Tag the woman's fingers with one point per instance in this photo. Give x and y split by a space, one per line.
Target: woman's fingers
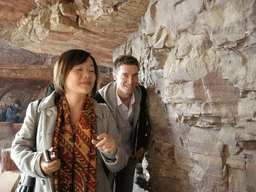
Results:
51 167
106 143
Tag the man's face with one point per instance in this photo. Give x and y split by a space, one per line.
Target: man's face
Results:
127 79
16 105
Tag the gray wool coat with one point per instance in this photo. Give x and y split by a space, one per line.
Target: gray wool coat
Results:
108 92
29 161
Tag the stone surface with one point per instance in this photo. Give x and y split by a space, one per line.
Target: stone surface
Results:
23 72
9 180
33 33
97 26
198 63
13 11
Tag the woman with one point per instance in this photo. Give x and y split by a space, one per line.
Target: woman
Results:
74 126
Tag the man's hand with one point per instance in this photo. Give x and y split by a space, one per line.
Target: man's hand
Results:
105 142
139 155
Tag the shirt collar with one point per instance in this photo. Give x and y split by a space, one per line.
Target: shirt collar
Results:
119 101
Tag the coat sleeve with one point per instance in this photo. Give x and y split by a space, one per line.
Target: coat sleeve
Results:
23 145
114 162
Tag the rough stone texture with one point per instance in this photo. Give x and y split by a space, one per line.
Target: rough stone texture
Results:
17 63
53 27
33 33
24 75
13 11
198 63
7 135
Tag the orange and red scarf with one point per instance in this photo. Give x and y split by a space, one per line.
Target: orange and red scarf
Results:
74 148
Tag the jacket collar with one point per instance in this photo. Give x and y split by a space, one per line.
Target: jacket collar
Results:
49 102
108 92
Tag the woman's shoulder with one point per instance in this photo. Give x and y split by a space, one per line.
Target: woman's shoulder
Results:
48 101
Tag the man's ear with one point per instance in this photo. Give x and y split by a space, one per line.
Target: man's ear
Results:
114 76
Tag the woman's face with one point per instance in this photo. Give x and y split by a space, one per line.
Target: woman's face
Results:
81 78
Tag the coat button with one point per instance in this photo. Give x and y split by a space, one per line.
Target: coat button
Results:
49 113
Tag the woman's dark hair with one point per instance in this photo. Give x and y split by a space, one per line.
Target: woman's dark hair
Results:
65 63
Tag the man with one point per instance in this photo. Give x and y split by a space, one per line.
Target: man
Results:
126 100
13 112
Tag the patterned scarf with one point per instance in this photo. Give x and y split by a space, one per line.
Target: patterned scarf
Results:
74 148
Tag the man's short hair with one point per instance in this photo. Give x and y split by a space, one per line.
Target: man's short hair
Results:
125 60
18 102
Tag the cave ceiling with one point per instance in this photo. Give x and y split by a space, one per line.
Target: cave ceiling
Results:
34 32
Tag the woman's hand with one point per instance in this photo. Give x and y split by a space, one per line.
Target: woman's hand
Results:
105 143
51 167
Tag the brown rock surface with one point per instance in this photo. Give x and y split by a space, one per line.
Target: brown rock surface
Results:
52 27
34 32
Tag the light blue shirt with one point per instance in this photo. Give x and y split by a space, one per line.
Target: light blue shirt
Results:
125 118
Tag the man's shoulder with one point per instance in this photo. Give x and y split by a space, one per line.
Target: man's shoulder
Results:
140 92
143 90
12 108
142 87
101 109
99 98
108 87
106 92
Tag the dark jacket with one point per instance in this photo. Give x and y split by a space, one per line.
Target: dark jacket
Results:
141 125
11 114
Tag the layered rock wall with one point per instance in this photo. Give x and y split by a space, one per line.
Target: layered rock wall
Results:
55 26
198 63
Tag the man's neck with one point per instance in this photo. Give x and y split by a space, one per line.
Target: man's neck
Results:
125 98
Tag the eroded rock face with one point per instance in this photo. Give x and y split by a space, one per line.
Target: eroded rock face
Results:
26 73
13 11
198 62
19 65
39 30
97 26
